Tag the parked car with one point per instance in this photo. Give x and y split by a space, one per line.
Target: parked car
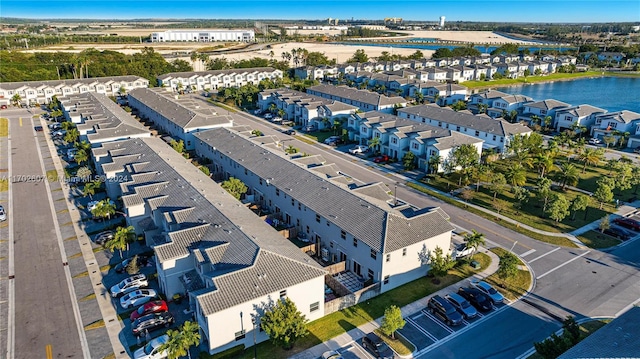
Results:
137 297
54 126
461 250
38 128
309 128
476 298
58 134
617 233
103 237
627 222
444 310
381 159
268 116
637 149
3 214
489 291
377 346
143 260
155 306
3 107
331 354
595 141
257 112
462 305
129 284
151 350
276 119
333 141
289 132
358 149
151 322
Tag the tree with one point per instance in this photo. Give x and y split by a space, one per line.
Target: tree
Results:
178 146
181 340
284 324
474 240
466 157
591 157
508 266
516 175
235 187
559 207
544 192
374 143
91 187
84 173
439 264
205 170
81 156
16 99
71 136
544 162
359 56
499 205
552 347
568 175
459 106
467 195
291 150
433 163
392 321
121 239
571 329
608 140
104 208
497 183
521 195
409 161
604 223
603 193
133 266
579 203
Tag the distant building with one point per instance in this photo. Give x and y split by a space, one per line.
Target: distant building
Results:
442 18
242 35
215 79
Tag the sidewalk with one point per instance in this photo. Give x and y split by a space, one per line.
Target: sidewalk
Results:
623 211
355 334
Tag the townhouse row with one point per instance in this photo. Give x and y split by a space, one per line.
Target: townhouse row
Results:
216 79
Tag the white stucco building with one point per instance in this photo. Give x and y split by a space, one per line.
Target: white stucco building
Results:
216 79
203 35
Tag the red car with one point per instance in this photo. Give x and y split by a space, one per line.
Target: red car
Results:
381 159
156 306
627 223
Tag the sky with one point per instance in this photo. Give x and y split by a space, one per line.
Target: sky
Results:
563 11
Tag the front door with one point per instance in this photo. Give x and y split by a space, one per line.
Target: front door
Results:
356 268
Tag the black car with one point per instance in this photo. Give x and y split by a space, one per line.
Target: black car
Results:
151 322
143 261
476 298
38 128
617 233
289 132
444 310
103 237
377 346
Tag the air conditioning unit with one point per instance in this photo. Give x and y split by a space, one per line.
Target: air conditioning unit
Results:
324 254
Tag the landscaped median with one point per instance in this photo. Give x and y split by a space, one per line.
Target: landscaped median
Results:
514 286
340 322
597 240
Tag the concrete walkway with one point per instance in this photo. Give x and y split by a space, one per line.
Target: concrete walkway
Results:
411 308
623 211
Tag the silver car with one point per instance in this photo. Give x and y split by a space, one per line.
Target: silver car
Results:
3 214
129 284
137 297
462 305
489 291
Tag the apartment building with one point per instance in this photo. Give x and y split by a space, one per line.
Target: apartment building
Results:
380 241
617 124
495 133
207 245
41 92
204 35
99 119
364 100
216 79
397 136
180 117
442 94
577 116
536 111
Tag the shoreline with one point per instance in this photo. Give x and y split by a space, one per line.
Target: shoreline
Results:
475 89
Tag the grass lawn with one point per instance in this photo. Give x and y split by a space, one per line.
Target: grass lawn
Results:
400 345
4 127
534 79
4 184
513 287
586 329
560 241
334 324
319 136
595 239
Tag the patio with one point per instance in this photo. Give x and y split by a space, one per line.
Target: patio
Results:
350 281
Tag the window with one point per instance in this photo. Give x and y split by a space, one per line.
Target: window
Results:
494 137
386 279
343 234
458 128
261 181
613 124
414 146
328 223
355 242
240 335
477 133
307 229
314 306
298 206
278 190
388 258
283 293
293 202
370 273
318 218
331 244
404 252
374 255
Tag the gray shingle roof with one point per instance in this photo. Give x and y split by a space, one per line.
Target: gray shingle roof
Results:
204 216
71 82
188 74
582 110
623 116
364 218
480 123
549 104
367 97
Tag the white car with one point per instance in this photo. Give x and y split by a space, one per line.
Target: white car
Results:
461 250
93 204
137 297
268 116
331 354
3 214
129 284
151 350
489 291
595 141
358 149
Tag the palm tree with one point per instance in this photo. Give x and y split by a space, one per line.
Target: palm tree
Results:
90 188
474 240
72 135
121 239
589 156
81 156
374 143
516 175
544 162
181 340
568 175
16 99
104 208
434 162
291 150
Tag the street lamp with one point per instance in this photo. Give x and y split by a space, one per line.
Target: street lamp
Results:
395 194
255 349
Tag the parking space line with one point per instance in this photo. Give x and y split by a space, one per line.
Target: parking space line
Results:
428 315
563 264
422 330
416 316
527 252
543 255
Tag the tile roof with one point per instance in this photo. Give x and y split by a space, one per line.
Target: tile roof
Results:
480 123
71 82
363 96
205 217
364 218
549 104
623 116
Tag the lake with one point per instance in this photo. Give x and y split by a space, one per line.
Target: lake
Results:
532 49
610 93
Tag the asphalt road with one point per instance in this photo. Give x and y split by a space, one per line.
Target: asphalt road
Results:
45 324
567 281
